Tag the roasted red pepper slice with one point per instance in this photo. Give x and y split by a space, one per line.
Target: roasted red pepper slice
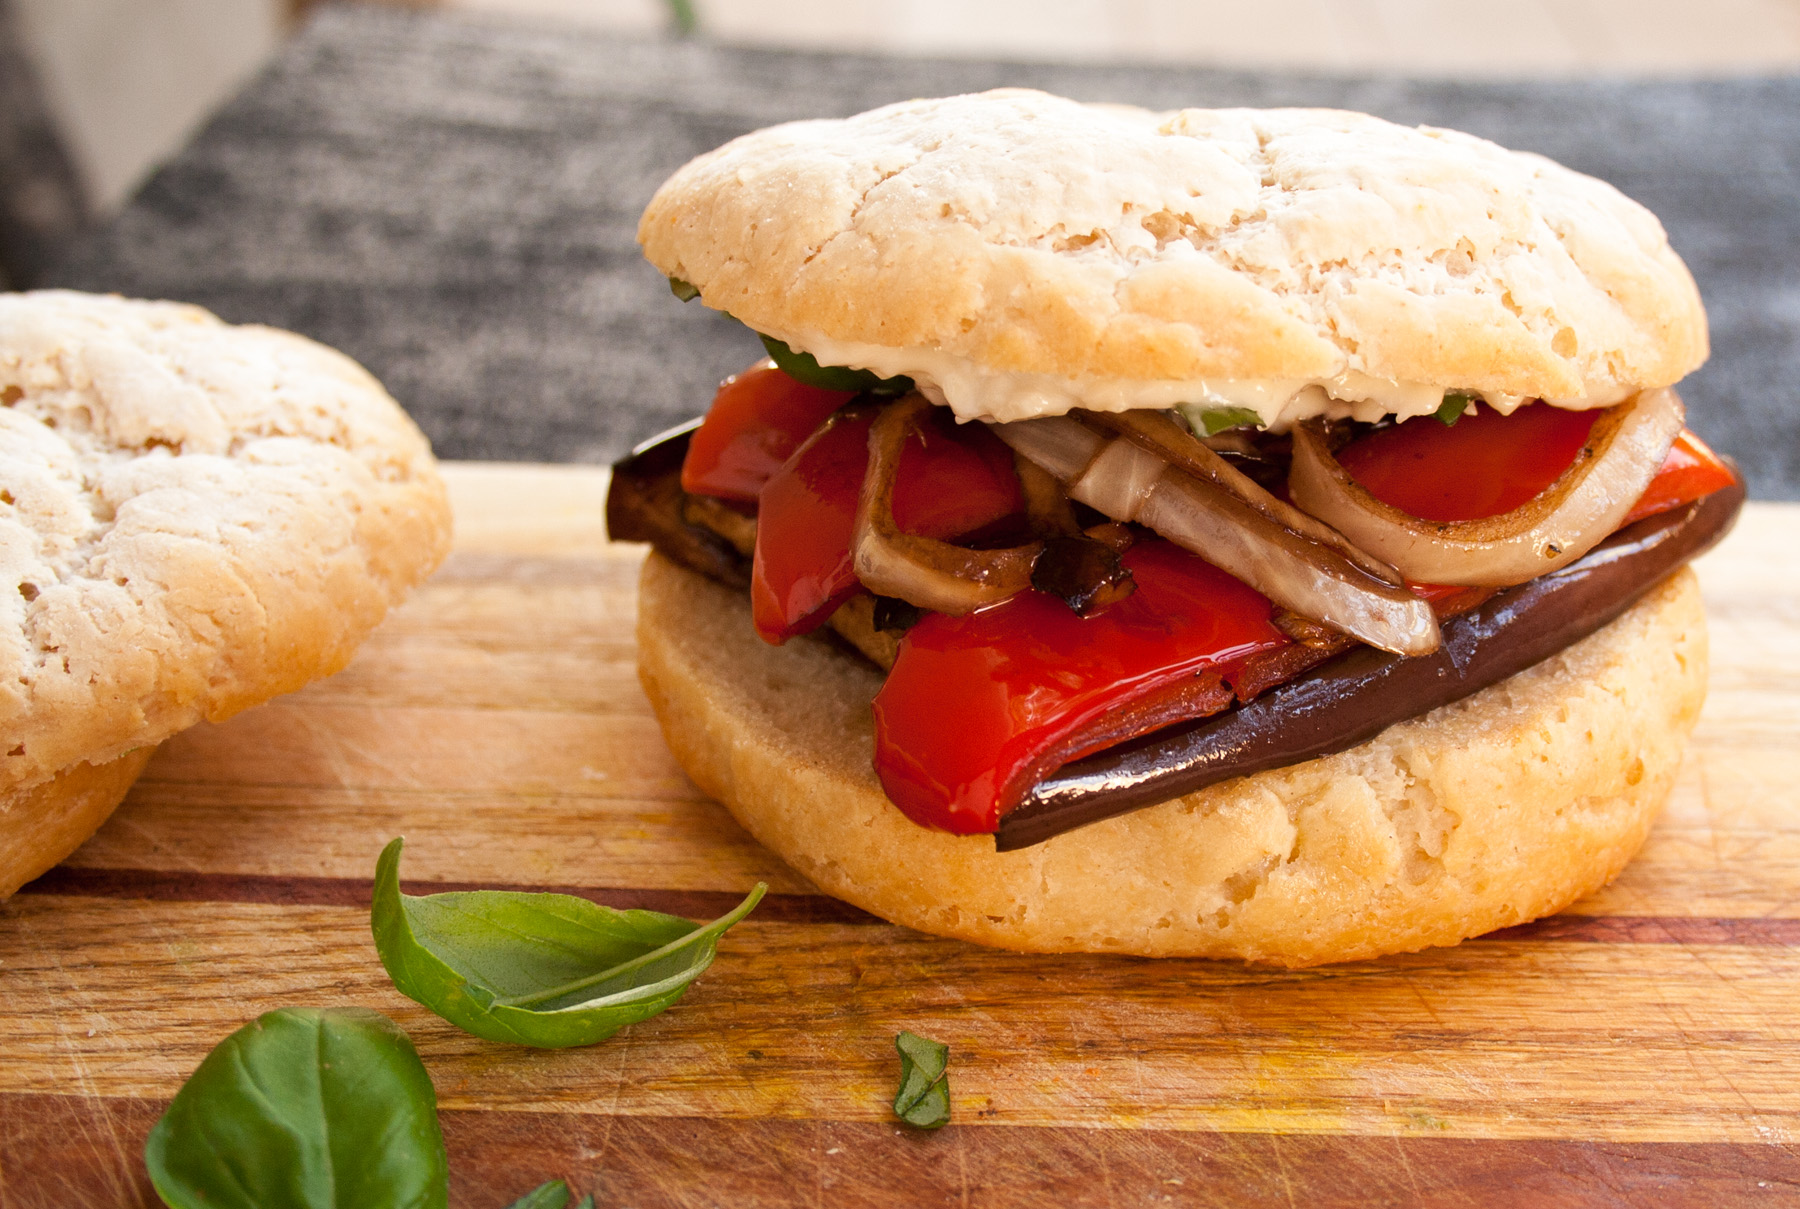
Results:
758 418
955 481
980 708
1690 471
1482 465
1487 463
805 517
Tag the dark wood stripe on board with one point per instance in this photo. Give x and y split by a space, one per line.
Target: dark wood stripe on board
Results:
1655 930
167 886
182 886
47 1150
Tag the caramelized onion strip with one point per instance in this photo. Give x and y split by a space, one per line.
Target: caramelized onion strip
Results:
923 571
1155 431
1046 503
1130 483
1557 526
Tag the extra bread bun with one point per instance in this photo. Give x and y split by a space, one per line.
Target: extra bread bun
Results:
1092 248
193 518
1506 806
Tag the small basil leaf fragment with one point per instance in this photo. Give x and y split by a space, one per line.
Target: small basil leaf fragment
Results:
804 367
924 1096
546 970
551 1195
684 290
1455 403
1211 421
303 1108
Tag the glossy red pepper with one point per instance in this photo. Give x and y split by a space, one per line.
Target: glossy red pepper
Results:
979 708
955 481
1482 465
757 419
1487 463
1690 471
805 517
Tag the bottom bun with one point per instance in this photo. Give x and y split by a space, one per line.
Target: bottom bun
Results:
42 824
1500 808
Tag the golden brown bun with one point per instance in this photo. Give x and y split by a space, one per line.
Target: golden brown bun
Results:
194 518
41 825
1501 808
1023 233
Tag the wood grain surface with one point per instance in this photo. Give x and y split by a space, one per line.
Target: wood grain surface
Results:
1642 1050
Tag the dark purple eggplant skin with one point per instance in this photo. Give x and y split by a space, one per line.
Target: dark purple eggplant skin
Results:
1356 696
643 504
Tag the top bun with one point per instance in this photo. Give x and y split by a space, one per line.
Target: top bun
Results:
1020 254
193 518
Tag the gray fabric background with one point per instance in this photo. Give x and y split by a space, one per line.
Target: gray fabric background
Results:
453 203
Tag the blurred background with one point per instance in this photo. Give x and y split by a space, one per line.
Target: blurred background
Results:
123 83
448 190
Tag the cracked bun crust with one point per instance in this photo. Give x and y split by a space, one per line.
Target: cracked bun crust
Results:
1017 232
1501 808
194 518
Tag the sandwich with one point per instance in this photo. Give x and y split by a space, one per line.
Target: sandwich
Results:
1229 533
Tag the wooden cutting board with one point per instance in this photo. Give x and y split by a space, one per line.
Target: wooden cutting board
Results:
1643 1049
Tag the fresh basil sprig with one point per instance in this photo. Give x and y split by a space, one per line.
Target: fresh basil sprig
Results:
1455 403
547 970
1211 421
553 1195
924 1096
303 1108
804 367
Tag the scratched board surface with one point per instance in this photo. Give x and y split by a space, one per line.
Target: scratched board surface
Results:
1642 1050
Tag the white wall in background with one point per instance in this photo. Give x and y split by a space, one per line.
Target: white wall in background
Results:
129 80
1416 37
640 16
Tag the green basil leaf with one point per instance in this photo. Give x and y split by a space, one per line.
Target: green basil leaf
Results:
931 1110
546 970
924 1096
1211 421
551 1195
1455 403
684 290
804 367
303 1108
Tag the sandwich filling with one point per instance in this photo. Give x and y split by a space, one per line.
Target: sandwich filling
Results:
1095 611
